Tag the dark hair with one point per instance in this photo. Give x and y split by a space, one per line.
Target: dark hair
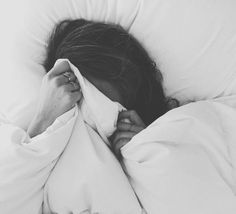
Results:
108 52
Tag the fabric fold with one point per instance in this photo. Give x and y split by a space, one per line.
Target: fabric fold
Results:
69 168
184 162
96 107
88 177
26 163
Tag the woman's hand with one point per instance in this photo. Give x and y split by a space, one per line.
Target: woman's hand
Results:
129 124
59 92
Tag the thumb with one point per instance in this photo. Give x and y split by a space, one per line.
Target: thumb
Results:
59 68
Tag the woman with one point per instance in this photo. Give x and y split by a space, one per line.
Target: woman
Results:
114 62
162 168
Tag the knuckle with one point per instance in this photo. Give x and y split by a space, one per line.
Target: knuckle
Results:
119 125
124 126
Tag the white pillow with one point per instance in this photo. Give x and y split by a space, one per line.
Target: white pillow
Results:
26 37
193 42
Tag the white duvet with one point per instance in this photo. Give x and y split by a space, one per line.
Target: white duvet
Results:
87 178
182 163
185 162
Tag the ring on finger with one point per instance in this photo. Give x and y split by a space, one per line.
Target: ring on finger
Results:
68 76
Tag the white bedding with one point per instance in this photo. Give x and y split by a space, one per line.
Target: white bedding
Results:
193 43
86 179
182 163
25 163
185 162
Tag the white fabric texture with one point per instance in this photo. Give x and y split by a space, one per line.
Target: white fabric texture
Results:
25 164
185 162
86 179
97 109
192 41
194 44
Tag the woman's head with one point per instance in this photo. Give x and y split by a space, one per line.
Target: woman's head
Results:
113 61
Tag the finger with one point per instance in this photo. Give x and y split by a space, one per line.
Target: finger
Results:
60 80
125 120
121 126
119 135
59 68
69 76
76 86
76 96
72 86
132 116
120 143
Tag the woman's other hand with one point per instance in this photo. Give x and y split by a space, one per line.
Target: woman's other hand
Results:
59 92
129 124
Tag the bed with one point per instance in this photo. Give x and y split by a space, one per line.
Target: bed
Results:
194 45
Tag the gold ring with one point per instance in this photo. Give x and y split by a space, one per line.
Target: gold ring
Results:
67 75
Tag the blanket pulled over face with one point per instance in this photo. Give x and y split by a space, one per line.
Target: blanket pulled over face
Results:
184 162
88 178
69 168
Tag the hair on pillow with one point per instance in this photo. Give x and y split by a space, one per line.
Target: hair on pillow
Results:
193 43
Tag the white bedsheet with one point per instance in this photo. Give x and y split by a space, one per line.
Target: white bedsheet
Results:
182 163
86 179
185 162
25 164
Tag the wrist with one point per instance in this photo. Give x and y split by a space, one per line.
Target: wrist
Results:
38 125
